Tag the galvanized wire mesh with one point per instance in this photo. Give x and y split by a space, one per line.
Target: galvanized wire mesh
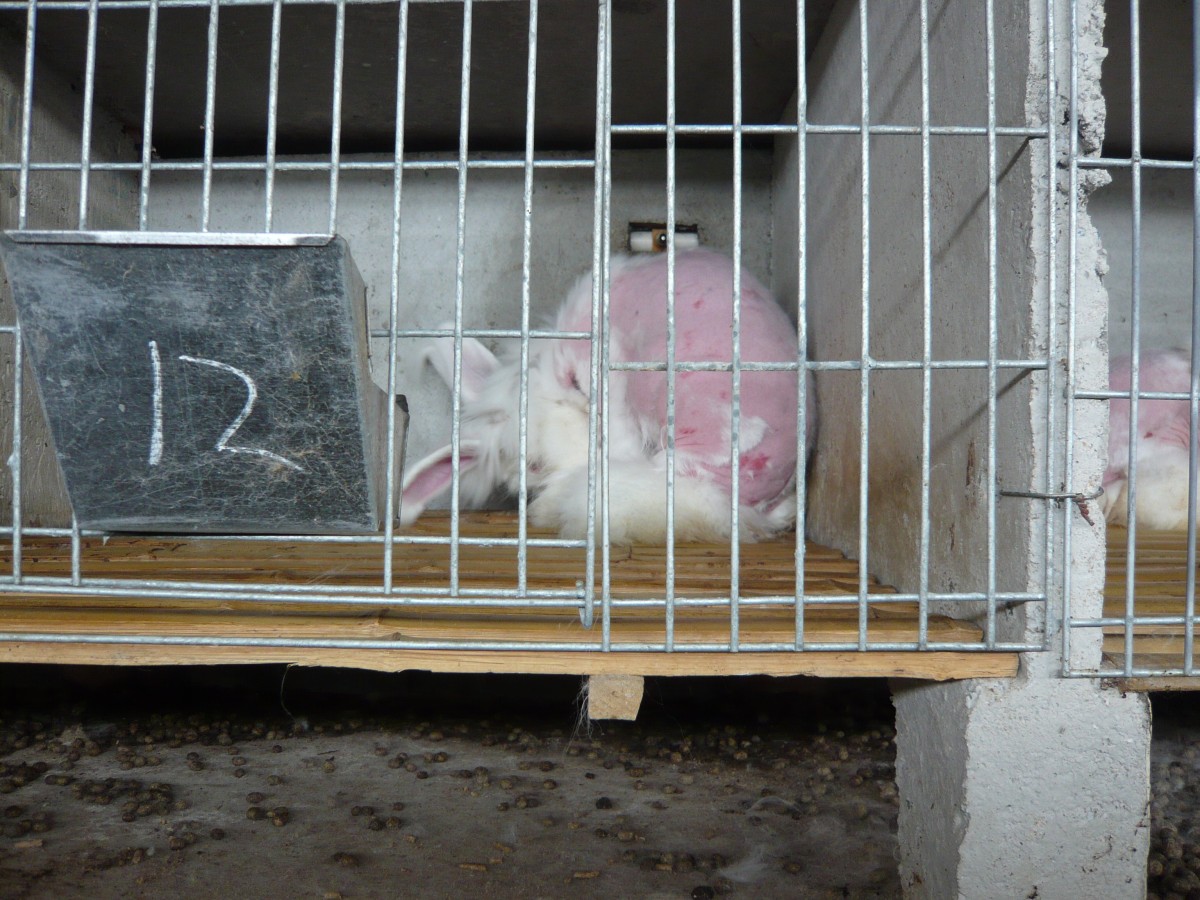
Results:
1146 623
81 30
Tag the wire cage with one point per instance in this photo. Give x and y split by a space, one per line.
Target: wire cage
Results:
1142 169
478 158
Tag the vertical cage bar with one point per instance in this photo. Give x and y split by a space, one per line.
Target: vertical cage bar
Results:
801 312
464 117
735 408
389 519
598 357
670 298
1072 304
1135 327
210 113
273 111
76 553
587 613
926 336
526 249
89 97
993 320
602 266
1052 342
864 446
1189 612
148 116
335 137
14 459
26 119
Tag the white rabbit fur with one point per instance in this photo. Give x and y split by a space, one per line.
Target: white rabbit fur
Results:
1163 441
558 399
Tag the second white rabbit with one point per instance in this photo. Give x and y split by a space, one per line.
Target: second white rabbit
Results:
1163 442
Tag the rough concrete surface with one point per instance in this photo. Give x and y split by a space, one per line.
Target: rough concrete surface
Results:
1038 787
212 782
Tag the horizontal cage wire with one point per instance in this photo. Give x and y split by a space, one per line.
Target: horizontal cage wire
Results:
1138 186
607 439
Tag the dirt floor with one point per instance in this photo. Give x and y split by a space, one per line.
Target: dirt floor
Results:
261 782
220 782
1174 866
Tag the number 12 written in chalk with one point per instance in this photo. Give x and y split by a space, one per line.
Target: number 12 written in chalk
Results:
223 444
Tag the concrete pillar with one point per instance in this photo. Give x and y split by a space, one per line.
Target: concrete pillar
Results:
1035 787
1038 786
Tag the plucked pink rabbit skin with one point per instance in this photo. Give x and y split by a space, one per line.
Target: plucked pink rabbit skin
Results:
559 386
1163 442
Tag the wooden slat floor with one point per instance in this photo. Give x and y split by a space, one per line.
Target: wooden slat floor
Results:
1160 589
701 571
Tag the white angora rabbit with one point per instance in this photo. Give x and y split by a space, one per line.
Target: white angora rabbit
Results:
559 384
1163 442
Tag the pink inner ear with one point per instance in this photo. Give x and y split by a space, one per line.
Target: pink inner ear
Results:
478 364
432 475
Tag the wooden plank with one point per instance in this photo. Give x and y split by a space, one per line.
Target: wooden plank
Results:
701 569
233 568
1154 660
638 626
1160 644
1166 683
1160 590
939 666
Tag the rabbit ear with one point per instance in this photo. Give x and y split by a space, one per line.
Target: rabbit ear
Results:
431 476
478 363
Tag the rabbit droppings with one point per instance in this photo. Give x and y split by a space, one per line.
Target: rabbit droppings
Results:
559 395
1163 441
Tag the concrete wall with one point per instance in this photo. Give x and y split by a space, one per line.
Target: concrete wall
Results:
1165 27
561 248
959 320
1038 786
53 203
1166 257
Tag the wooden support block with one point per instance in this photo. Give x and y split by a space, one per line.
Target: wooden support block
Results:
614 696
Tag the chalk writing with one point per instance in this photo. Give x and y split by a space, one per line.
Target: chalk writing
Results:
222 445
156 429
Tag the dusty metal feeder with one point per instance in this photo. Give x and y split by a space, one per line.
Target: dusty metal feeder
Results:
205 383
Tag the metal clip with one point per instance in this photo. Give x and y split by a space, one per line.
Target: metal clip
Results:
1079 499
587 608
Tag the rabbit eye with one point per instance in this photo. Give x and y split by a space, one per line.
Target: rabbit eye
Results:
575 382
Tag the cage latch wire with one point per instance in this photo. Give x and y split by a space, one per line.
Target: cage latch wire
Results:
1080 500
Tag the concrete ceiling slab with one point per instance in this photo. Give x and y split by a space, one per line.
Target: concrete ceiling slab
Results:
566 71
